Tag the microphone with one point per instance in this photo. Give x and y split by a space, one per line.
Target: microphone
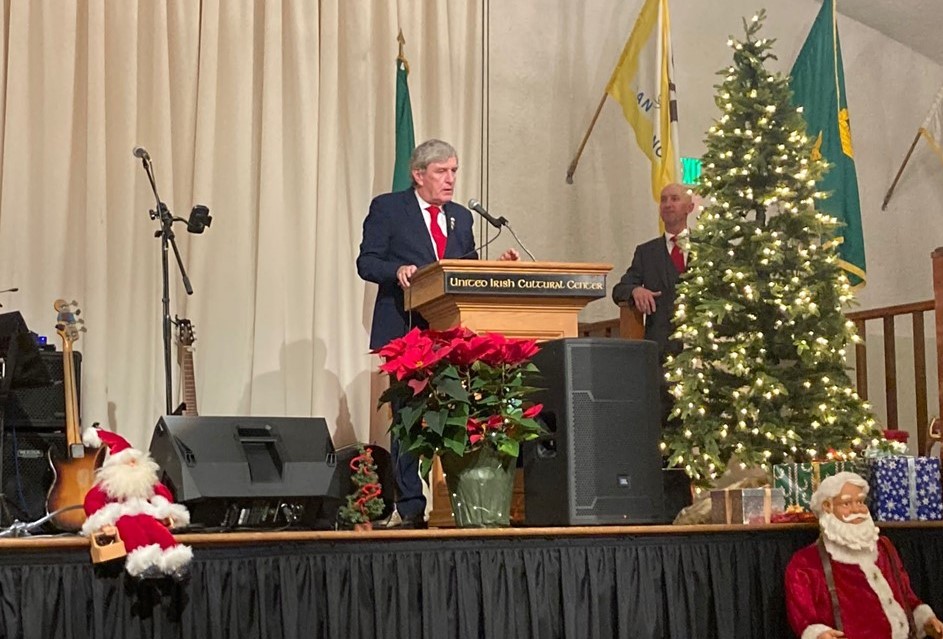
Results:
476 206
141 152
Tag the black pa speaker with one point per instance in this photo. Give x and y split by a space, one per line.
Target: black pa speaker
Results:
43 407
600 463
250 472
27 474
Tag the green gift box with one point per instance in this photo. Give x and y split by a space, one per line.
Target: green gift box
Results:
799 481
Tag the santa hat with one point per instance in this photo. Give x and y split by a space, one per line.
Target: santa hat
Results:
96 437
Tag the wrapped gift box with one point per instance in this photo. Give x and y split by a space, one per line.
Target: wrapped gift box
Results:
799 481
746 505
906 488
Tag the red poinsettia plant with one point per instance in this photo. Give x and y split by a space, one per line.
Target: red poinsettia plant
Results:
456 391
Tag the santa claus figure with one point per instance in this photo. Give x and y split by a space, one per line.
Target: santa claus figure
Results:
872 594
128 495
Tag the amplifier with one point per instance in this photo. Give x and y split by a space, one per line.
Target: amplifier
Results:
26 475
42 407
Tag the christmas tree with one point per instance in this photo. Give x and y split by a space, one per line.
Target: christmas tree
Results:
364 503
762 375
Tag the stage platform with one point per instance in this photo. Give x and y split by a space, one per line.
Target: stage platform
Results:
637 582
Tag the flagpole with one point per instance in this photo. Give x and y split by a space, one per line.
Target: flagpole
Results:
926 122
900 171
402 53
579 152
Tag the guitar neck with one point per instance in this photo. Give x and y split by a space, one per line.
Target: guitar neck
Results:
72 430
188 382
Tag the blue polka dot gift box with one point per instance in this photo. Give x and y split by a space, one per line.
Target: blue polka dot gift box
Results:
905 488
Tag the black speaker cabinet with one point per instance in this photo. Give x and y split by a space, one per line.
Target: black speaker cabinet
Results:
601 463
250 472
42 407
27 474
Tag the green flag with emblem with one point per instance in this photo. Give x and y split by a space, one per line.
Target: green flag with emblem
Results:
818 85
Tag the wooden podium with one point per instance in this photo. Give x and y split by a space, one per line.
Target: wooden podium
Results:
536 300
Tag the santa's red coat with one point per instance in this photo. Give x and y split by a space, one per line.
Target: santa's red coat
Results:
140 524
869 597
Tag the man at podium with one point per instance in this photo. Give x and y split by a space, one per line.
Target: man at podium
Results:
404 231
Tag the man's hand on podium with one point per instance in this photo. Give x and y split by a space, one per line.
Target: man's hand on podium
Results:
645 299
404 273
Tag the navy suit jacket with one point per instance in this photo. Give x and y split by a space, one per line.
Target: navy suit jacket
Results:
652 268
394 235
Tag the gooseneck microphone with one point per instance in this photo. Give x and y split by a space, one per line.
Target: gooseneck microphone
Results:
476 206
141 152
497 223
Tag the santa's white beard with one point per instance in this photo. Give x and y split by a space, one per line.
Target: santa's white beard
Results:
128 474
856 537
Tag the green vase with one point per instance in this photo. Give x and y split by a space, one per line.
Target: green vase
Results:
480 487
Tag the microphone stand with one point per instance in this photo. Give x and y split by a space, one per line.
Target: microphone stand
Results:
518 240
498 223
167 241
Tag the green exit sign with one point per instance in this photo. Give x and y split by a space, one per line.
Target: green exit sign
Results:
690 171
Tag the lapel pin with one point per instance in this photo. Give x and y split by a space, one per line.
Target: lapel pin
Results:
451 223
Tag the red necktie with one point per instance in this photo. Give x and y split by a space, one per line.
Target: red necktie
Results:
437 235
676 255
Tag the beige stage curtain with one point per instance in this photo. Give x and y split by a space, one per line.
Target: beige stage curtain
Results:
276 115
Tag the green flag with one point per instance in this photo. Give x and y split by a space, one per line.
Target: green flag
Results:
405 137
818 85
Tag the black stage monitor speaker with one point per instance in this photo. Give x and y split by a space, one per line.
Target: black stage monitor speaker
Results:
601 463
250 472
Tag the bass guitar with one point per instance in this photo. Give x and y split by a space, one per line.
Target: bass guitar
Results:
75 472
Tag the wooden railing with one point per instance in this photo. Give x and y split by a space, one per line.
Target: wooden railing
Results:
887 316
630 325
